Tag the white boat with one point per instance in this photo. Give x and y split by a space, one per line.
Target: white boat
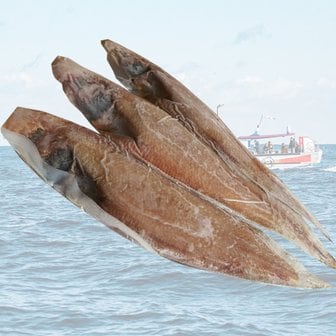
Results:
283 150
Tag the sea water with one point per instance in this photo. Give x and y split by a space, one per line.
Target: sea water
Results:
64 273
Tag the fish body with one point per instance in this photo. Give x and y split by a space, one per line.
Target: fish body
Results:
145 206
166 173
162 141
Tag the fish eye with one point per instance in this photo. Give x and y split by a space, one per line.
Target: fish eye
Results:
36 135
60 158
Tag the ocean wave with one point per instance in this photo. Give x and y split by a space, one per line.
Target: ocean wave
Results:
330 169
63 273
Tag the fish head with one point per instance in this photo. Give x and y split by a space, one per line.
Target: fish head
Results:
125 66
101 101
136 73
43 132
85 89
47 143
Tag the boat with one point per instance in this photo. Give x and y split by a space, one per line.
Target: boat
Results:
282 150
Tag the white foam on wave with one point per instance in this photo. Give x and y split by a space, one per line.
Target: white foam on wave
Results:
331 169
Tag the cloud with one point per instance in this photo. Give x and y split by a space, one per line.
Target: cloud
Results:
251 34
326 83
240 64
255 87
20 79
238 91
33 63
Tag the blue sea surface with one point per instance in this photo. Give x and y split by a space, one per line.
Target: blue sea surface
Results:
64 273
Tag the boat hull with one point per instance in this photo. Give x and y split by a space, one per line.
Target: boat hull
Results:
286 161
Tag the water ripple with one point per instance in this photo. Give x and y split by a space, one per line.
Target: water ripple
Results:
62 273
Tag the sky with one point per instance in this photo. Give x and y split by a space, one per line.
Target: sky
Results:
271 58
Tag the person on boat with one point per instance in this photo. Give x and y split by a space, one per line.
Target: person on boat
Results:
284 149
268 148
256 146
291 145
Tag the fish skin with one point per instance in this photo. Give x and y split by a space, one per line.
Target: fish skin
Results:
155 136
166 217
148 80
